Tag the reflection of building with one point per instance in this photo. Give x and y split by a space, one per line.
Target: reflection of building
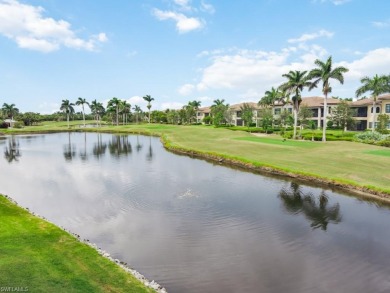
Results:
363 110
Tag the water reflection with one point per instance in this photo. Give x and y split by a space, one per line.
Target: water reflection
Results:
120 145
83 152
315 209
11 151
201 227
138 146
149 155
99 147
69 149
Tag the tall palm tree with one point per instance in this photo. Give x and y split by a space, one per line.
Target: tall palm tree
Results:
297 81
376 85
82 102
148 99
125 110
115 103
67 108
97 109
324 72
137 110
9 110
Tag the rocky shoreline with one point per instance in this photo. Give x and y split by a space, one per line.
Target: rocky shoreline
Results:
124 266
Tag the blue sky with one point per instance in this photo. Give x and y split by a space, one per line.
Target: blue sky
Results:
181 50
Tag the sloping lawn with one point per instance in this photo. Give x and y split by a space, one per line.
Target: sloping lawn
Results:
39 256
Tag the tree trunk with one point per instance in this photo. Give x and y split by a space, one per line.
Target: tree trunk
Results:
117 116
373 114
83 116
325 116
295 122
67 118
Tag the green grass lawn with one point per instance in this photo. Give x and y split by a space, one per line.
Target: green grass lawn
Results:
39 256
344 162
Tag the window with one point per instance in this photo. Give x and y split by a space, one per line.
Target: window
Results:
239 113
378 109
277 111
370 125
290 110
387 108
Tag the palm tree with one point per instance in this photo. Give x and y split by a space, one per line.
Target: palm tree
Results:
376 85
148 99
297 81
82 102
115 103
67 108
270 97
9 110
218 102
97 109
137 110
324 73
126 110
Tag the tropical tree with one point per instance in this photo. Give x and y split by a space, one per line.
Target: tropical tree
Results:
271 97
296 82
125 109
266 118
324 72
97 110
383 121
115 103
219 111
67 108
148 99
137 110
9 110
343 115
193 107
376 85
82 102
247 114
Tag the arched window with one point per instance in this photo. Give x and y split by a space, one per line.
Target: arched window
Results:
378 109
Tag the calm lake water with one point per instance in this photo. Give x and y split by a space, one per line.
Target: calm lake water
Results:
197 227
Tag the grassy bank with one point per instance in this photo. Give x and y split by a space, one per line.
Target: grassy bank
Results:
40 257
357 165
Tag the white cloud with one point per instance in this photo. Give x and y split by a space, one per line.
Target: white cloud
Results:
339 2
381 24
184 24
171 105
26 25
48 108
309 37
373 62
335 2
186 89
207 7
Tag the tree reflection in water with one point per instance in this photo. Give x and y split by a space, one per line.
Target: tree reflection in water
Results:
316 210
138 146
99 148
83 152
69 149
149 155
120 145
11 151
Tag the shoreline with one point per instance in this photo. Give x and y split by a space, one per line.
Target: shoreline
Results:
122 265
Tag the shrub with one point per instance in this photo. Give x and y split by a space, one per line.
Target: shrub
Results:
4 125
18 124
368 137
